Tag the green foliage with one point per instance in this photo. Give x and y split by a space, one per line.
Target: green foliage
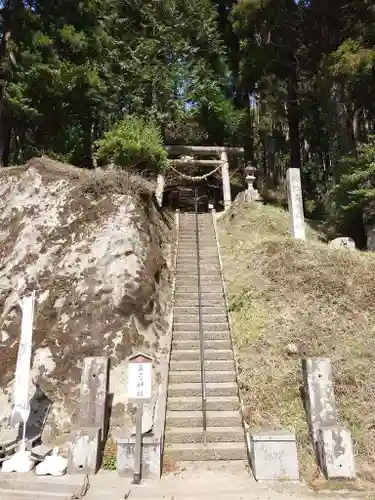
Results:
351 59
71 70
110 455
135 143
355 191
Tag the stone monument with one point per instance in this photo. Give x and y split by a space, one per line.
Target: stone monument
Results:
295 203
332 443
93 415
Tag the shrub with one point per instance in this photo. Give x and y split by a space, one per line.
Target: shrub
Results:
133 143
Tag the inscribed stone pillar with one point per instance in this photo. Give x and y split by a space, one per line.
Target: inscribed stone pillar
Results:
226 180
336 455
93 395
320 398
160 189
295 204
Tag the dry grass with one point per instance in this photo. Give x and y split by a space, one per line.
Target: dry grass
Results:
318 298
97 183
100 182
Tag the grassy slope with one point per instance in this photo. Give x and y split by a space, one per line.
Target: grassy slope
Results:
320 299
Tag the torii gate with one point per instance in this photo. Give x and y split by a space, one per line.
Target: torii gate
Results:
219 158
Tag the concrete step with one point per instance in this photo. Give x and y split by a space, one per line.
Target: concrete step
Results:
204 244
184 271
191 301
195 435
181 309
195 389
206 318
203 260
194 403
195 376
185 250
190 292
204 253
186 257
189 239
219 335
187 345
210 365
29 490
192 327
191 285
206 264
205 290
208 354
207 282
195 419
210 451
208 292
209 299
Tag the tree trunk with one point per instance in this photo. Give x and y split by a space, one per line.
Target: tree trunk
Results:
4 114
342 118
293 119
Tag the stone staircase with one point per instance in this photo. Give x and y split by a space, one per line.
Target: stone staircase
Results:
184 423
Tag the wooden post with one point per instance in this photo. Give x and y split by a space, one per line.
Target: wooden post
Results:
138 444
226 180
139 392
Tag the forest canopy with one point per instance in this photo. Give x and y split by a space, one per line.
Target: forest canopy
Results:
291 81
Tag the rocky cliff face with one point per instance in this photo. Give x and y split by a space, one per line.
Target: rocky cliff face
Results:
97 252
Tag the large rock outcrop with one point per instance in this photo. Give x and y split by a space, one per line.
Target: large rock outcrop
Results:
96 250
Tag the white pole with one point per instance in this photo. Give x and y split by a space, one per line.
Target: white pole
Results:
21 409
226 180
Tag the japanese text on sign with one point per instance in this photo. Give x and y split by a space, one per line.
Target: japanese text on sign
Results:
139 380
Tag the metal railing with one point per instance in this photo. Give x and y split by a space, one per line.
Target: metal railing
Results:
201 341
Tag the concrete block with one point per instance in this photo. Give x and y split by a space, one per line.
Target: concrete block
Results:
335 452
319 394
93 394
84 454
274 456
150 457
40 452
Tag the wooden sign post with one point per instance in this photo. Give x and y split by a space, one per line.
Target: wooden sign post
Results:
139 392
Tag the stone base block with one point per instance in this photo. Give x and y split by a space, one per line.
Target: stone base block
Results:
150 457
274 456
335 453
85 452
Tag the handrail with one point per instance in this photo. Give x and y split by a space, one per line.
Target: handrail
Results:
203 374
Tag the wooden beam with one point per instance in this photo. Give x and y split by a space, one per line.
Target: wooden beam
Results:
204 150
199 163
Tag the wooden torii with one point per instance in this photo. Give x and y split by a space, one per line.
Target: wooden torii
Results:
219 159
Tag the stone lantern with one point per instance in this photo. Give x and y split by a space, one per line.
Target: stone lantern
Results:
251 193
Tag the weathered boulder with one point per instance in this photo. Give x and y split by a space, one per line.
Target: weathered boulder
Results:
97 251
343 242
